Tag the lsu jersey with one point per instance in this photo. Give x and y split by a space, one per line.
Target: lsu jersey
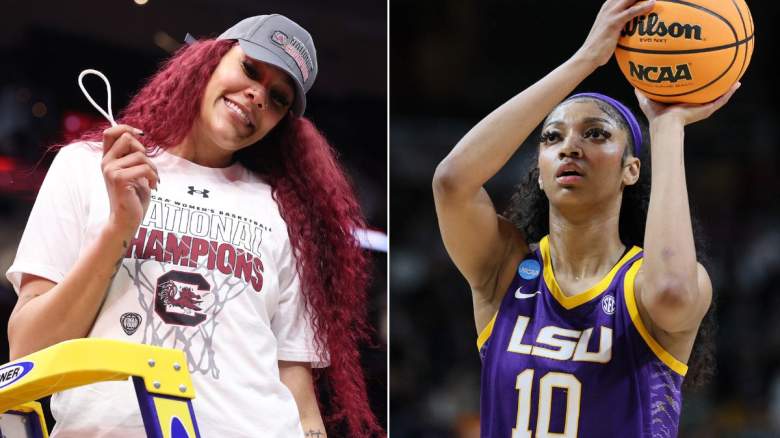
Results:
575 366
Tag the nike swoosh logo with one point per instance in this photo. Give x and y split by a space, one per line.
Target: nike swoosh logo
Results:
521 296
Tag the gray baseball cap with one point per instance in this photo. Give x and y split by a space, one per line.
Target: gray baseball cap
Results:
279 41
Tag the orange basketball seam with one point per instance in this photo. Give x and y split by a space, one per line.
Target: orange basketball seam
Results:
687 51
744 29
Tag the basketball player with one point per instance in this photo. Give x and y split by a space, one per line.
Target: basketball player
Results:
214 219
582 332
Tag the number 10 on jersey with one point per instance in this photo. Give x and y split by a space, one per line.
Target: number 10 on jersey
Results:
551 380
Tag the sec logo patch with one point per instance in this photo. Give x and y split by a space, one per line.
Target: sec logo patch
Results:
608 304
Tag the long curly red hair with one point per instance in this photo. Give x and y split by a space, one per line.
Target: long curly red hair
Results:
316 201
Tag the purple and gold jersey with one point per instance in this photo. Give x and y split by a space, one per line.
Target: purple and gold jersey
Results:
575 366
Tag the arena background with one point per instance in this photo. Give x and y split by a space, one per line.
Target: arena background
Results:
45 44
454 61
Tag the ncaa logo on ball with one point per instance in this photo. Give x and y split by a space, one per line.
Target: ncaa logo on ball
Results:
608 304
529 269
658 74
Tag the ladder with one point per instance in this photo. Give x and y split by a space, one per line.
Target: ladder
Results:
162 384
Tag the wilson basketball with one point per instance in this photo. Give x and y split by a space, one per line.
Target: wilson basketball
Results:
687 51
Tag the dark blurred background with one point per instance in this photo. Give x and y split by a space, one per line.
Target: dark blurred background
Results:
452 62
45 44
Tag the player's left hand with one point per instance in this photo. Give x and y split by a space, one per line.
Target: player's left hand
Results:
685 113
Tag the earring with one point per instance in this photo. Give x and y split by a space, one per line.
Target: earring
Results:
541 186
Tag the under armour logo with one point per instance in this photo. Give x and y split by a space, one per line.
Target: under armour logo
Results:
203 192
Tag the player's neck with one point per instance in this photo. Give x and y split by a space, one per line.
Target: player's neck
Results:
200 151
585 249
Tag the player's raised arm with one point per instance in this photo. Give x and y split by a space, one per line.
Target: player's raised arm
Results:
129 176
674 290
475 237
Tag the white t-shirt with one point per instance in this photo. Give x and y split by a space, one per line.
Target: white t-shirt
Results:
210 271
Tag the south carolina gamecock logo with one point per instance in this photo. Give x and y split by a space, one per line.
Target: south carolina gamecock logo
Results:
178 297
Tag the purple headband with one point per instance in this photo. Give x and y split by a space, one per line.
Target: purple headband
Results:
636 132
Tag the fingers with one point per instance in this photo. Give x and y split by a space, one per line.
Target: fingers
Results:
688 113
644 99
645 103
123 147
134 159
131 177
623 4
118 142
113 134
125 144
124 158
638 8
710 108
640 96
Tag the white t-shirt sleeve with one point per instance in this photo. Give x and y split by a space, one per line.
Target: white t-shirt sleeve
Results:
291 323
54 232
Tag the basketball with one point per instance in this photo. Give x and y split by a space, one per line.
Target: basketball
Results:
687 51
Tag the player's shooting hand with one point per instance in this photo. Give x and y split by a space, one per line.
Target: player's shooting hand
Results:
684 113
602 39
129 175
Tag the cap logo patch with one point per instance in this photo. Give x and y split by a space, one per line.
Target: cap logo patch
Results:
279 38
296 50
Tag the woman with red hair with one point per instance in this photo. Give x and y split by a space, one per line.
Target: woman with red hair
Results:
214 219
